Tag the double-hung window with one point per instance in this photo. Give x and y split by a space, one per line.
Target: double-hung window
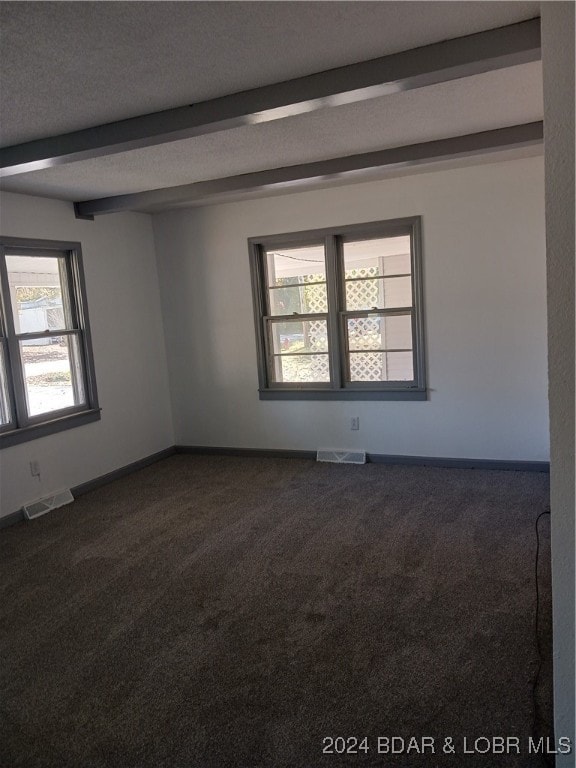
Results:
47 381
339 312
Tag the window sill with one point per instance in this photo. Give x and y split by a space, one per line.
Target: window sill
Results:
23 434
343 394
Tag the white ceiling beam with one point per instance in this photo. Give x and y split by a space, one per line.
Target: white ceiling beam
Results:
449 60
344 168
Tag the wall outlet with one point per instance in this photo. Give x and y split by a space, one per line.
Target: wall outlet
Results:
35 468
355 423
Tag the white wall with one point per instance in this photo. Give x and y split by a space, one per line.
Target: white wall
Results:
129 353
558 67
485 306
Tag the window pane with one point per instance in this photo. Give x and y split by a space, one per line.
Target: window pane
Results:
380 332
297 280
52 374
301 369
377 258
304 299
295 266
298 337
381 366
38 293
5 415
381 293
400 366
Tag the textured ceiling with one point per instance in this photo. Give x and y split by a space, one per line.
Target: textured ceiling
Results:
483 102
71 65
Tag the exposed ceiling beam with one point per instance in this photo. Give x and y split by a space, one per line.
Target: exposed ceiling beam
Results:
343 168
431 64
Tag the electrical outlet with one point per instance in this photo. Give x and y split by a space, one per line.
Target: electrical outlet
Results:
355 423
35 468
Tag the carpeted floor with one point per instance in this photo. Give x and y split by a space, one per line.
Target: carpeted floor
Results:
221 611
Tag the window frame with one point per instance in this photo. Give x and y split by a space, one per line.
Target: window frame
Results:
333 239
23 427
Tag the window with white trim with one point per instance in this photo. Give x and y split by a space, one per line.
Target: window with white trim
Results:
339 312
47 380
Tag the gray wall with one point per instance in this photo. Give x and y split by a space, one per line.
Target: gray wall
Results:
485 309
130 359
558 62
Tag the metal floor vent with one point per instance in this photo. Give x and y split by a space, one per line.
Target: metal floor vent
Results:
40 507
341 457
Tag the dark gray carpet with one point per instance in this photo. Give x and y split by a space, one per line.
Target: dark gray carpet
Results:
211 611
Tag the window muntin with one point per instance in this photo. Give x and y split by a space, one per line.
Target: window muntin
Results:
351 320
46 368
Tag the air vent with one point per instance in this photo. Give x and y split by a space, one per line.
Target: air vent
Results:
40 507
341 457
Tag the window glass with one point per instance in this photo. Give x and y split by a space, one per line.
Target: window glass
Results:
299 337
38 293
380 257
52 373
381 366
294 266
297 281
379 332
383 293
301 369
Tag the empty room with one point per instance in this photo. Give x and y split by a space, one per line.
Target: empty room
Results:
287 384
